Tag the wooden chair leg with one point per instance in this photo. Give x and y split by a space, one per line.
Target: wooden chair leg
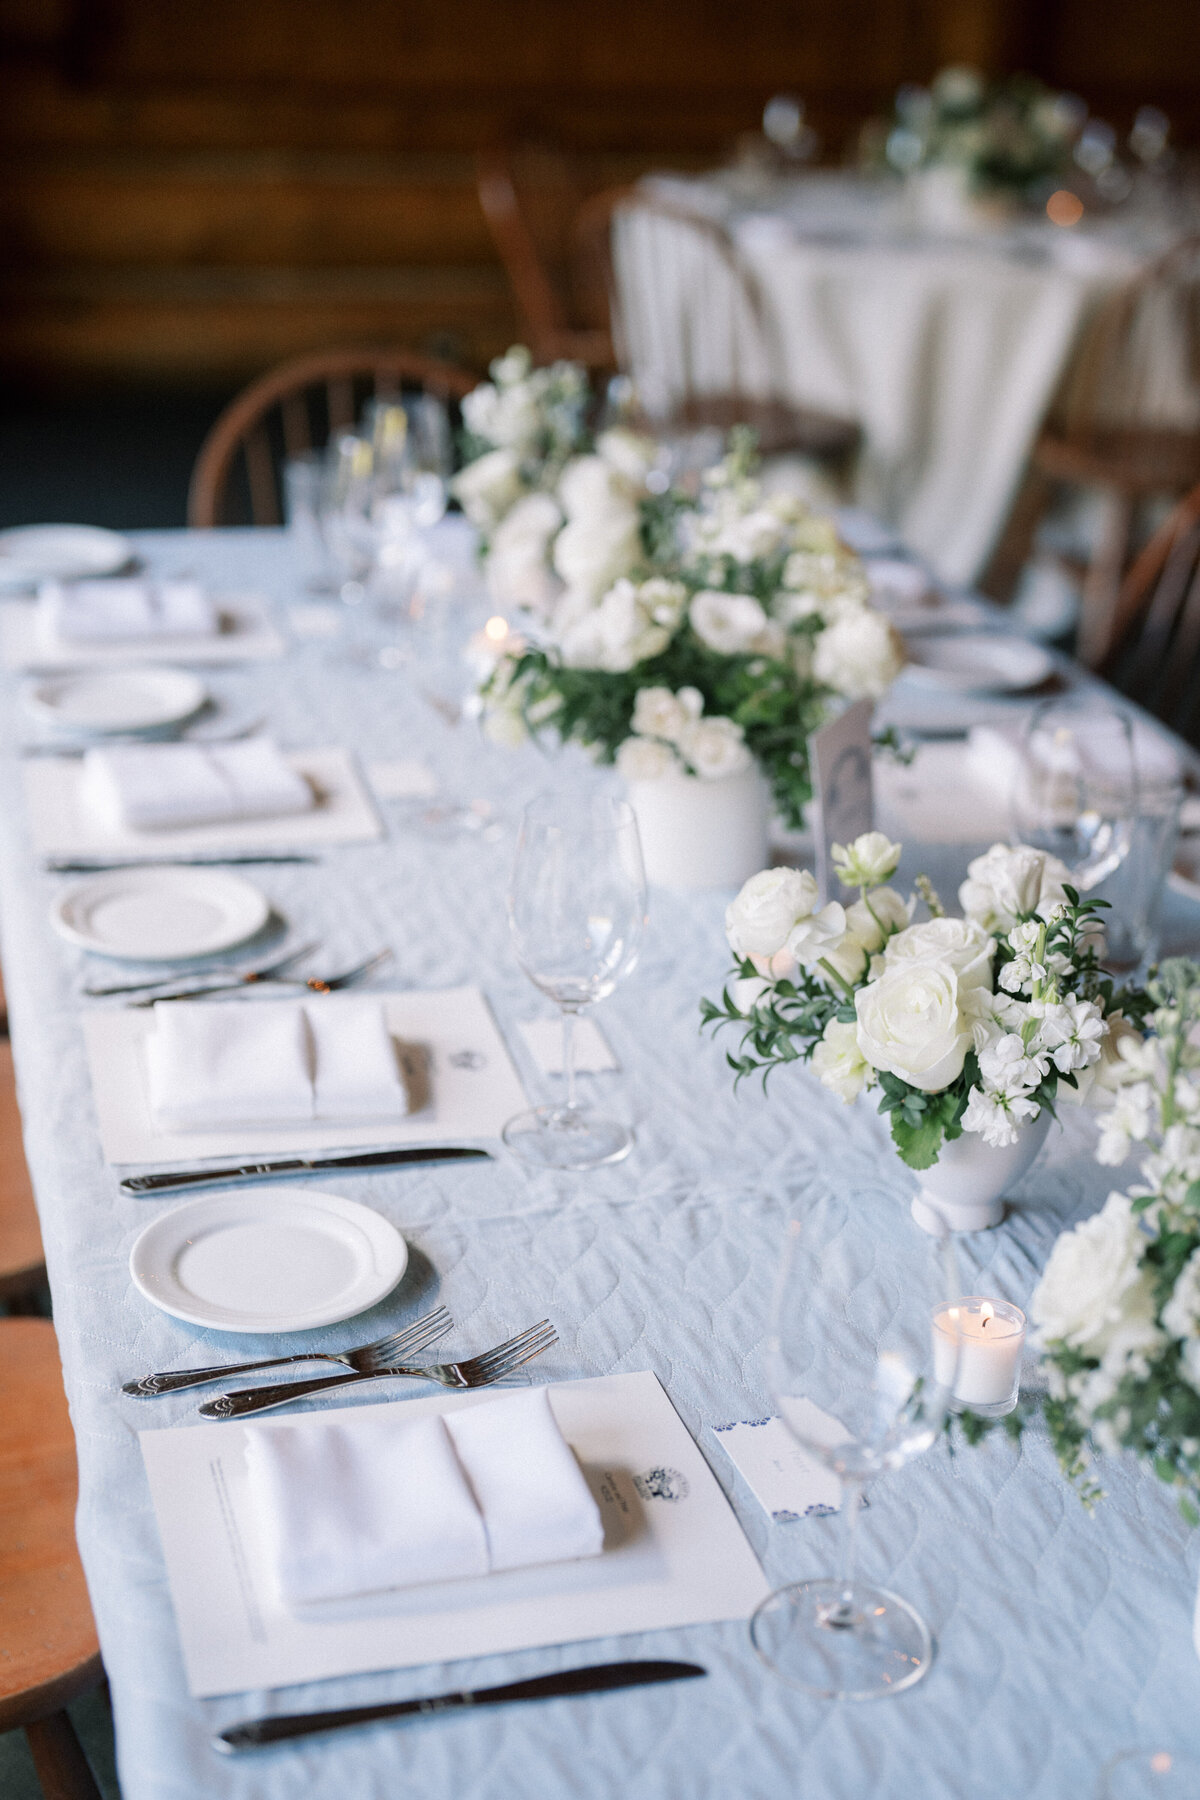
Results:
62 1768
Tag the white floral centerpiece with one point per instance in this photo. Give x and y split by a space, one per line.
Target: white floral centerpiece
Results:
689 636
962 1026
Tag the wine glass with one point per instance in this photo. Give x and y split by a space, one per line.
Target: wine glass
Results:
852 1368
1076 789
576 909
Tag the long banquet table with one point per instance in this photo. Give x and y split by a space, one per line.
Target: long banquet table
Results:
1061 1638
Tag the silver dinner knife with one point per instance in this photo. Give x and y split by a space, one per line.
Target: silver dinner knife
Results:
96 865
599 1678
301 1165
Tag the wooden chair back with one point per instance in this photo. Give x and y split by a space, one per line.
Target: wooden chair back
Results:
295 408
1156 660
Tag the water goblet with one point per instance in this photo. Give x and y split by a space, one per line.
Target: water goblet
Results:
851 1364
1076 788
577 910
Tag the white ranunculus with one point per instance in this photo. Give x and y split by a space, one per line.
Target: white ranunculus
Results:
1010 883
730 624
838 1062
958 944
714 748
645 759
1090 1273
657 712
870 860
487 487
759 921
812 939
630 453
910 1022
518 562
858 654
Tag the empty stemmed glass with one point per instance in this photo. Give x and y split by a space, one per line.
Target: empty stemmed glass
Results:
851 1366
577 910
1076 788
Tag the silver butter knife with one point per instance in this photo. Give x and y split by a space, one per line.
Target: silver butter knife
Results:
599 1678
301 1165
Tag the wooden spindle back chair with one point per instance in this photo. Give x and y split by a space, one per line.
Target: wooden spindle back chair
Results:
1155 657
295 408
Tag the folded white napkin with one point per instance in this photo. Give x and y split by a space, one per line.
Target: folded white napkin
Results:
349 1507
95 612
154 787
994 754
211 1064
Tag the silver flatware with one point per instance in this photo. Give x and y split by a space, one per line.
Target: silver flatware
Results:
473 1372
368 1356
241 976
328 984
597 1678
301 1165
199 734
97 865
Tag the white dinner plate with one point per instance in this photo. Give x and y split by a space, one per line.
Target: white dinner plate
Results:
978 663
33 553
107 700
256 1260
160 914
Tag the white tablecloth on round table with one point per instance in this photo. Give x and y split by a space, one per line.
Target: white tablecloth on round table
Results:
1061 1638
946 353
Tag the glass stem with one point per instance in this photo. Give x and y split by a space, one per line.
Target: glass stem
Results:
569 1016
851 1502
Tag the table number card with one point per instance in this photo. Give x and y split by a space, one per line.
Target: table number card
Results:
840 759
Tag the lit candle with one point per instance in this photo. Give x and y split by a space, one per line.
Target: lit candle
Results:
985 1339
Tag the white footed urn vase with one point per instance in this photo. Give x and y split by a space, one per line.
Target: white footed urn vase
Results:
966 1187
702 834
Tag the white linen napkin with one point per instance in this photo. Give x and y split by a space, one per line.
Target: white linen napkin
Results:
95 612
994 754
210 1065
353 1507
154 787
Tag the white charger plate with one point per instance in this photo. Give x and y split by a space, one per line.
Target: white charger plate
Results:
978 663
261 1261
157 913
33 553
110 700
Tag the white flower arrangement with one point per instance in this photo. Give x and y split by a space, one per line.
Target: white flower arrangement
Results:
740 613
1004 136
970 1024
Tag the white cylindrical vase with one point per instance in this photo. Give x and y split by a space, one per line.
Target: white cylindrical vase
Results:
965 1189
702 834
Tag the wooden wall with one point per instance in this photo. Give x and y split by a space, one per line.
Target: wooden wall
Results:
195 188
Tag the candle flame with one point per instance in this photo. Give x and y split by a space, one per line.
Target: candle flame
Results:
987 1311
496 629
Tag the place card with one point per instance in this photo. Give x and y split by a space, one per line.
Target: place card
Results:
785 1479
840 757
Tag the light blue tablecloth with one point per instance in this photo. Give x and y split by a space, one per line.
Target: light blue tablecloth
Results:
1061 1638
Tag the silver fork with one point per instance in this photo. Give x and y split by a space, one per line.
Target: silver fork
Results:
475 1371
365 1360
317 984
242 976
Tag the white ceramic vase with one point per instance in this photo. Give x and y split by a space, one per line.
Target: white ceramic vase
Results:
702 834
965 1189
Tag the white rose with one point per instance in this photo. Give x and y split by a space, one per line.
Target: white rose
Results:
838 1061
487 487
858 655
714 748
657 712
1009 883
870 860
595 549
1090 1273
588 484
645 759
758 922
958 944
730 624
910 1022
518 568
630 453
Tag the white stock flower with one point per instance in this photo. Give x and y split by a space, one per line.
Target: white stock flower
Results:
1072 1030
758 922
657 712
730 624
714 748
858 655
1099 1080
487 487
1131 1120
838 1062
645 759
1090 1272
911 1023
958 944
871 859
518 563
996 1116
1007 1067
1009 883
613 635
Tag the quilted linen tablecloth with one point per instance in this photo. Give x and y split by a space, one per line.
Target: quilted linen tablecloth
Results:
1061 1638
